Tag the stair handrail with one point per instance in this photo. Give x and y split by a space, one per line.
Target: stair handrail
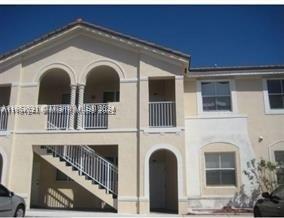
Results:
89 163
93 152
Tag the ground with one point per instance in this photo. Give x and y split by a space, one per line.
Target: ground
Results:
69 213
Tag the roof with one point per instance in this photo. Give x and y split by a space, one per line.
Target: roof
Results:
260 67
81 23
236 71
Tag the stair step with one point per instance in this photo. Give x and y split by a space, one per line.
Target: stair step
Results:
74 173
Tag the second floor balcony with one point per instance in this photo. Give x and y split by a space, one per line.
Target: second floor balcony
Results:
86 106
162 106
162 114
97 104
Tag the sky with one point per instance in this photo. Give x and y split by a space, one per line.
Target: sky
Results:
212 35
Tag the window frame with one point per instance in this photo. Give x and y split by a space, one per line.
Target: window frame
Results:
268 109
217 112
220 169
279 165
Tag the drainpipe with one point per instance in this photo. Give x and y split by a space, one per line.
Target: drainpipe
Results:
138 134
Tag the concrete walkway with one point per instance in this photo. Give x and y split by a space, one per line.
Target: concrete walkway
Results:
74 213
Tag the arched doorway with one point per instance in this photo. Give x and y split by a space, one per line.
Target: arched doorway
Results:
163 181
54 87
55 91
102 89
102 85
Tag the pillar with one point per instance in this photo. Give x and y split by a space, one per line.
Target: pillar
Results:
80 106
72 105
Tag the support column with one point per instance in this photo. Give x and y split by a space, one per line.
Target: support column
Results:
72 106
179 90
80 106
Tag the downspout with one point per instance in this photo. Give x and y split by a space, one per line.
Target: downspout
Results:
138 133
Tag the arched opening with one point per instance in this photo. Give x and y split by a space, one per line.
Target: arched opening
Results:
54 88
102 85
163 182
55 92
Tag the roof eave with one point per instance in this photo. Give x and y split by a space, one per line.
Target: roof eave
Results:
81 24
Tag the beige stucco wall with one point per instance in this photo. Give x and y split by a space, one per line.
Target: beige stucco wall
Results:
251 102
77 55
62 194
245 134
190 98
129 128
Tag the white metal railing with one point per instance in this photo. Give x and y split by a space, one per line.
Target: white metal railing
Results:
89 164
3 119
58 117
95 116
162 114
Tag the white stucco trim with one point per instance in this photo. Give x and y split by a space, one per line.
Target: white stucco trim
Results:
273 147
29 84
102 62
201 132
179 77
4 133
180 178
5 165
217 113
74 131
144 79
163 130
224 116
267 108
131 80
58 65
127 198
230 74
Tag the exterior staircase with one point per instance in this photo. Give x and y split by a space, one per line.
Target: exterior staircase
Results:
84 166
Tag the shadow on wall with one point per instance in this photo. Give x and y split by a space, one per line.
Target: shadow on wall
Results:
242 200
57 199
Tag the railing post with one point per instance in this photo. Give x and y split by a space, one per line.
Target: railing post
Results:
81 161
64 150
108 177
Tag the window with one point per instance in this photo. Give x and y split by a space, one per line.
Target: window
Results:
111 97
220 169
61 176
216 96
279 158
4 191
275 90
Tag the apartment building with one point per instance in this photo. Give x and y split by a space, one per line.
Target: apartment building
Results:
149 133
